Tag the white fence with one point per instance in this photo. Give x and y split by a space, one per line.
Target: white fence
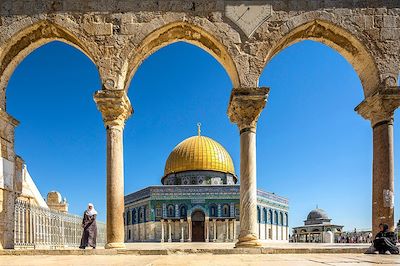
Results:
37 227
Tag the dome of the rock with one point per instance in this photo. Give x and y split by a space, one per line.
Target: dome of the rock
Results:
199 153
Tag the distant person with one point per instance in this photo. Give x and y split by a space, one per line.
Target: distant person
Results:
89 226
384 242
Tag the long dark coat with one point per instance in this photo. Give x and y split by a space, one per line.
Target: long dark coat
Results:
386 241
89 234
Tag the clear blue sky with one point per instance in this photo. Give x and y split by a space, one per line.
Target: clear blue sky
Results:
312 147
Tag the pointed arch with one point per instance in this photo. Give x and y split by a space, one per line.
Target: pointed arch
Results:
27 40
175 32
338 38
197 208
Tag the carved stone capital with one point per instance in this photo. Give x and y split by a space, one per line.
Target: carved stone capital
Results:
380 106
245 106
114 106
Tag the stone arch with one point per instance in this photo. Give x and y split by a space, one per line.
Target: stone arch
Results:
197 208
336 37
265 214
22 43
134 220
226 210
212 210
171 210
142 214
286 219
176 32
270 215
183 210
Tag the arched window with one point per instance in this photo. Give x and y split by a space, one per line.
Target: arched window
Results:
258 214
281 218
183 211
276 218
129 217
270 217
141 215
134 216
213 211
265 215
171 211
225 210
287 219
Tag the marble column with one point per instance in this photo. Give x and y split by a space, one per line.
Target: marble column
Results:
189 221
266 230
231 236
245 107
162 230
206 231
182 235
115 108
227 230
169 231
379 109
215 230
234 230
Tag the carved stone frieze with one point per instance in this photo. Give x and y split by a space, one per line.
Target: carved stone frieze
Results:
380 106
245 106
114 106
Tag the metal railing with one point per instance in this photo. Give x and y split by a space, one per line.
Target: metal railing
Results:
40 228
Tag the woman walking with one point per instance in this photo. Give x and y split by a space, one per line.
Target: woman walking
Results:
89 228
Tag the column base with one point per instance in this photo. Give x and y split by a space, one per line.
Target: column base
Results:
115 245
162 240
182 240
248 241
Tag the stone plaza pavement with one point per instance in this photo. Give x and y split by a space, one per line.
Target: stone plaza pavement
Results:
199 248
204 259
203 254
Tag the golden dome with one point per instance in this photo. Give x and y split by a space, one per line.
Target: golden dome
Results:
199 153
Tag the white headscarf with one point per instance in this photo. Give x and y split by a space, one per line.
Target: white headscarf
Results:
92 211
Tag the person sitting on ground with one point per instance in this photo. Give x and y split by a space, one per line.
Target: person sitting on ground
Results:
384 242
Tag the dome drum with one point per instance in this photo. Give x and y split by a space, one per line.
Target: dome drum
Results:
199 178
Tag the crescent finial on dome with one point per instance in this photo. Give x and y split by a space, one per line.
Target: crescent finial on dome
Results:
199 129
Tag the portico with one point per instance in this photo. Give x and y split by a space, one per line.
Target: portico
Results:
117 37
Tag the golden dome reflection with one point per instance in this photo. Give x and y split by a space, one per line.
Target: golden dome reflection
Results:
199 153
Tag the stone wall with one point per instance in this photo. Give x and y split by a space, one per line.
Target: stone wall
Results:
119 35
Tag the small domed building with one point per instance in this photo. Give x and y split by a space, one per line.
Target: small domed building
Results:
317 228
56 202
199 200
